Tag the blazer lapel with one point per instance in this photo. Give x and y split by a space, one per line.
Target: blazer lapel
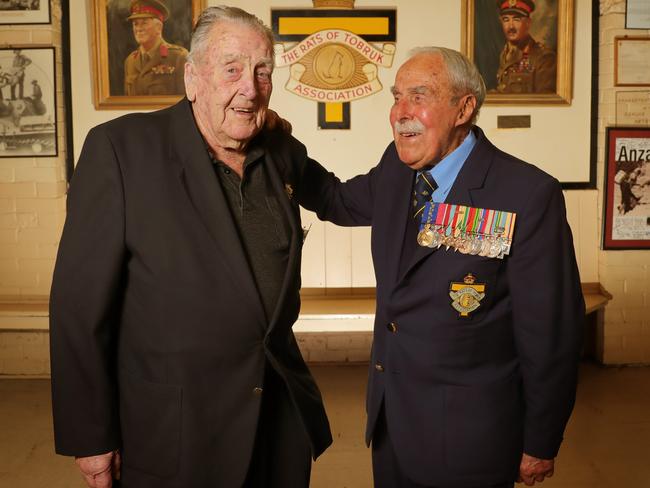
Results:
397 207
468 183
196 173
278 185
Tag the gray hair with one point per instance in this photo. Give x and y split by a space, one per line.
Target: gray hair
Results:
464 77
223 13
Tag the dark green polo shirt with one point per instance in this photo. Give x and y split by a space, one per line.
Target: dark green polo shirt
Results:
262 224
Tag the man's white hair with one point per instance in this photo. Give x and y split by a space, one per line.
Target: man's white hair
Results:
464 77
223 13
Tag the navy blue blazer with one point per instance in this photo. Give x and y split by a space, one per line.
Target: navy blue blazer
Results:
464 397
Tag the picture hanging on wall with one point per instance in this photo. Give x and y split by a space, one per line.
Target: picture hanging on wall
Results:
27 102
627 189
140 50
637 14
522 48
25 12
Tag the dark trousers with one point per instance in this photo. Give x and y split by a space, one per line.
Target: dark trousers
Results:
282 453
385 466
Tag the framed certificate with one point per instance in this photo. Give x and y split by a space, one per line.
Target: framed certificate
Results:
631 67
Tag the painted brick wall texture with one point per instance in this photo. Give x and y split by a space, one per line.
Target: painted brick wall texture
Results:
625 337
32 190
32 211
24 353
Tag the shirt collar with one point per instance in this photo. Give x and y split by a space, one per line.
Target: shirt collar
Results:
151 52
446 171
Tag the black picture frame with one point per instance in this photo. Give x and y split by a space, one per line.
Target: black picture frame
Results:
25 12
28 109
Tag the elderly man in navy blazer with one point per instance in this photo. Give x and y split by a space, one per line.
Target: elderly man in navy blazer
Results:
479 306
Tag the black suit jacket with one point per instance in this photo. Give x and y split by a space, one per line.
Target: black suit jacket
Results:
158 333
465 396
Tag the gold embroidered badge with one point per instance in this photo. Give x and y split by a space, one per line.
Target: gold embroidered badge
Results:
466 296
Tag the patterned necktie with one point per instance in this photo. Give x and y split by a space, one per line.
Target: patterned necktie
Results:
425 185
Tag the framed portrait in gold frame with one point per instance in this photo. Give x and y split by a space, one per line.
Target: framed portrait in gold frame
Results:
139 49
522 48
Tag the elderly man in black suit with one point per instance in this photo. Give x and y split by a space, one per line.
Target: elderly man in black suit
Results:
176 286
479 306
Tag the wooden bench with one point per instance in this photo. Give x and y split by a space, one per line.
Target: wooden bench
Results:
322 307
323 310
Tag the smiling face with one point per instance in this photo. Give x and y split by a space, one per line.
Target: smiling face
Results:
427 122
515 27
230 85
147 31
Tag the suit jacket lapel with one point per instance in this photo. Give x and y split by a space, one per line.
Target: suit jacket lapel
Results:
196 173
280 191
468 184
397 208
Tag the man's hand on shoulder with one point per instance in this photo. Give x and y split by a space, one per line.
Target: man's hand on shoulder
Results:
99 471
534 469
275 122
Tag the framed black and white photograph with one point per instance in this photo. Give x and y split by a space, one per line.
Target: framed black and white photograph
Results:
627 189
25 12
27 102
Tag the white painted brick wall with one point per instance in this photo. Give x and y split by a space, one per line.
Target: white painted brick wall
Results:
335 347
32 190
625 274
24 353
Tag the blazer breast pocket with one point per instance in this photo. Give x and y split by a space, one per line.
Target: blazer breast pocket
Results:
150 418
470 287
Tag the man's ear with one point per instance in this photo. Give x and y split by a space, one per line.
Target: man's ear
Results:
467 107
190 78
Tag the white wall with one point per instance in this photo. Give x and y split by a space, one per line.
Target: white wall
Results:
335 257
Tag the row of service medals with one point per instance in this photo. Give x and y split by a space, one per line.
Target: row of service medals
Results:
469 230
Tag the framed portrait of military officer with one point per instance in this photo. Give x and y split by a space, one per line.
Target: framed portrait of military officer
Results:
139 51
523 49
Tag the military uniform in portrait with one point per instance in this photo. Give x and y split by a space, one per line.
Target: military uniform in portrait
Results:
158 72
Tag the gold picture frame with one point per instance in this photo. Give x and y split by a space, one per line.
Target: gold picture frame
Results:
483 42
113 41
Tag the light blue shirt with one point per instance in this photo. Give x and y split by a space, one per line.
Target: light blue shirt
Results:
446 171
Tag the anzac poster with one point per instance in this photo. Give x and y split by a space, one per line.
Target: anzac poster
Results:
627 206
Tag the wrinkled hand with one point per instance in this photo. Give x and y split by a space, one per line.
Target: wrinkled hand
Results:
533 469
99 471
275 122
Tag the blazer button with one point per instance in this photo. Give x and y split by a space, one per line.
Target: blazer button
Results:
257 391
392 326
379 368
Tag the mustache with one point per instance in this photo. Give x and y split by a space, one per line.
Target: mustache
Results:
512 31
414 126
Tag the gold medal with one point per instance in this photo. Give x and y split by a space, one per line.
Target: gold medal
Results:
425 237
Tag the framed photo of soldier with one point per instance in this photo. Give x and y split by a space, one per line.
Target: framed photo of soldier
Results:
140 49
25 12
627 189
522 48
27 102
